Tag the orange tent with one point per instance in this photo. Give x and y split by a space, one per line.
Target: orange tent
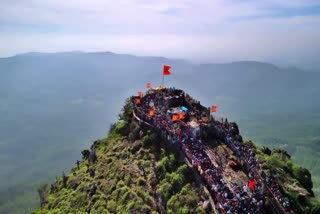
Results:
175 117
181 115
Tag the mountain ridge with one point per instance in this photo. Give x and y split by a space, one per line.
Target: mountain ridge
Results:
161 58
133 135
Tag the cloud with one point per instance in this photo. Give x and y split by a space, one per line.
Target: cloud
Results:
222 30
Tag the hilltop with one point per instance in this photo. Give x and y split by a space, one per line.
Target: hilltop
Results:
167 154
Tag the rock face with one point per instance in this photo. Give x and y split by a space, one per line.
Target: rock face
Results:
167 154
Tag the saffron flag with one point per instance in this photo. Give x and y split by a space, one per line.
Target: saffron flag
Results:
166 70
151 112
214 108
148 85
139 93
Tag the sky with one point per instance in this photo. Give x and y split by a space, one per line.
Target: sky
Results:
283 32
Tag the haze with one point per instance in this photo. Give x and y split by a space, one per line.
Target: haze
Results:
92 55
281 32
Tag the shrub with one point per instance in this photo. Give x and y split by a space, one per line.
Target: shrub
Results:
165 189
80 199
177 180
112 127
42 191
127 110
315 209
303 176
173 162
141 182
150 139
183 171
85 154
183 202
112 206
131 137
161 167
122 128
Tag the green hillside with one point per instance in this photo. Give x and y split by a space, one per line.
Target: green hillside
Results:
133 170
132 174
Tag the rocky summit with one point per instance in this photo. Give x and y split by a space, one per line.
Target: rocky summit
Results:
169 154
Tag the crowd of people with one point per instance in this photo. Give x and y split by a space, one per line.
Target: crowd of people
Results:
246 152
159 108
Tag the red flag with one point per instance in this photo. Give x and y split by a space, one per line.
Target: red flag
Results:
166 70
214 108
139 93
148 85
252 184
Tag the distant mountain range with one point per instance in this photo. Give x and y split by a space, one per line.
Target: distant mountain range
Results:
52 103
238 87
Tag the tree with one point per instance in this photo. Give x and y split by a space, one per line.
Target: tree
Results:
85 154
42 191
127 110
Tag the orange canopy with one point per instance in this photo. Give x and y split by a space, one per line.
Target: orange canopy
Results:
175 117
151 112
181 115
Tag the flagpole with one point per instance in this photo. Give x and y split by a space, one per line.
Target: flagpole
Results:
162 79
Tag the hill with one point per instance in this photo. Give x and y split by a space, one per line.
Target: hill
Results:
167 154
53 105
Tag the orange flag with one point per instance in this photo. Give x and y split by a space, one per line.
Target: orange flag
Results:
166 70
139 93
214 108
148 85
151 112
138 100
